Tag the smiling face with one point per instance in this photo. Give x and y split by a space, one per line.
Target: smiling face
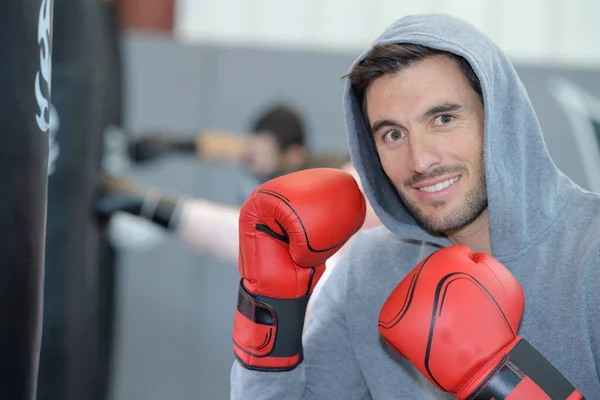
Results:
427 123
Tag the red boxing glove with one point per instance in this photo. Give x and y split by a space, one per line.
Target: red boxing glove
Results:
289 227
455 317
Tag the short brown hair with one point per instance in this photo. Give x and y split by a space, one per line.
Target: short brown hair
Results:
284 123
389 59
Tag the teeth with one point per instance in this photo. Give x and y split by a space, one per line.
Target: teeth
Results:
439 186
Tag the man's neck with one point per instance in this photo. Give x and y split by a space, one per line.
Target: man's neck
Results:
476 235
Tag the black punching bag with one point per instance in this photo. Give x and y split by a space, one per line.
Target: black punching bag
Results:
79 285
25 76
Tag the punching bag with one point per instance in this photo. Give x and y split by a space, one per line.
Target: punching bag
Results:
77 338
25 86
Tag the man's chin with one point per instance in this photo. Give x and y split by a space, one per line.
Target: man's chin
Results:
447 222
435 217
434 226
437 221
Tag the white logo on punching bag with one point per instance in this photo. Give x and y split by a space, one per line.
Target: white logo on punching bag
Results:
47 119
44 39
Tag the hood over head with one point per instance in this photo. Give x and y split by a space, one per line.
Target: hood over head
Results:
525 189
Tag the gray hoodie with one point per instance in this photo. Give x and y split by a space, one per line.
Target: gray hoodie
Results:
543 227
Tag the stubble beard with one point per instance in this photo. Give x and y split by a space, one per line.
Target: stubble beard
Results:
441 222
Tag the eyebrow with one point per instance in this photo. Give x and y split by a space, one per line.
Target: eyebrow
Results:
441 108
383 123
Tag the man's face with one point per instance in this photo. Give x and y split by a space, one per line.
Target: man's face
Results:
428 123
263 157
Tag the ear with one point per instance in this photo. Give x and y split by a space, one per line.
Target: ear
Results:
295 156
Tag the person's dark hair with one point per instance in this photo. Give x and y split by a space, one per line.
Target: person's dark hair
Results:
392 58
284 123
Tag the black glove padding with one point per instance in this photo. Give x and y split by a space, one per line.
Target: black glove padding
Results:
120 195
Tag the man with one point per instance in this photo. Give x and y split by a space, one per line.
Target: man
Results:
275 145
449 152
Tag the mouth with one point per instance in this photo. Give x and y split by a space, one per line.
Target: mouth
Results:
438 187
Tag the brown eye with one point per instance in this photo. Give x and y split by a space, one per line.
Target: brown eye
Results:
444 119
393 135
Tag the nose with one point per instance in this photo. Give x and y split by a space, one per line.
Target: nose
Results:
424 154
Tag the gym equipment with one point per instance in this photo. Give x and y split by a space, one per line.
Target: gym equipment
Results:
86 88
25 77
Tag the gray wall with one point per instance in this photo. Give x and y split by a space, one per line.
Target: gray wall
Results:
175 306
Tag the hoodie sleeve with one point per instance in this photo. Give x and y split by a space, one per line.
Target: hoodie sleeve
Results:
329 370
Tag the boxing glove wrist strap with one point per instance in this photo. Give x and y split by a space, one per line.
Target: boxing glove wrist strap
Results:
525 374
160 209
268 331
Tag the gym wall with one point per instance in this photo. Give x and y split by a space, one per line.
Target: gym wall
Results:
554 31
176 306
